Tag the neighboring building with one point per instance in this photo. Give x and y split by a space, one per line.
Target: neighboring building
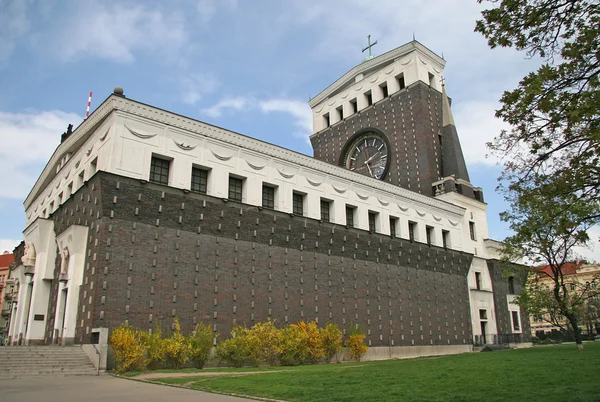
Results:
6 289
142 215
580 278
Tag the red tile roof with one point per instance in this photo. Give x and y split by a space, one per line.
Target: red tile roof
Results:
6 260
569 268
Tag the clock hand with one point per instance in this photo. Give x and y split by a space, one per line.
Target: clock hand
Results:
370 171
371 158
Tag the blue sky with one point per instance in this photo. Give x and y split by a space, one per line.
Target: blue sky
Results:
248 66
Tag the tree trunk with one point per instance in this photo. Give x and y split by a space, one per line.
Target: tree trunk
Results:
576 331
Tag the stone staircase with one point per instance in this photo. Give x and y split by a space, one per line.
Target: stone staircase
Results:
30 361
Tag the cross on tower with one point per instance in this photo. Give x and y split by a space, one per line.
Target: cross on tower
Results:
369 47
443 81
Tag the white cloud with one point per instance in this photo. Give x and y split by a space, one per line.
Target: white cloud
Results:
13 24
234 103
300 111
28 140
8 245
195 86
208 8
115 31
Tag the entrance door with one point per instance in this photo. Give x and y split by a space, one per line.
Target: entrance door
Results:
483 332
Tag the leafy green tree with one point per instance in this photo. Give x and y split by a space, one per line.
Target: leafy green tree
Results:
546 230
554 111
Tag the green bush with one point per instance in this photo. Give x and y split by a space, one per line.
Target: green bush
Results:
236 351
200 343
331 338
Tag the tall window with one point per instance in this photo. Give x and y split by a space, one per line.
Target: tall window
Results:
429 233
515 321
472 230
159 170
325 206
393 224
235 189
354 105
199 180
401 82
445 238
268 197
384 89
478 280
511 285
350 216
369 97
298 204
372 222
412 228
326 120
340 112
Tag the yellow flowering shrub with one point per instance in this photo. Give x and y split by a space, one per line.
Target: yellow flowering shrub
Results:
331 338
236 351
301 343
128 348
200 343
155 346
263 342
356 345
177 349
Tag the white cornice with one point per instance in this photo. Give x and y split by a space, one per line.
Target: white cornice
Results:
374 63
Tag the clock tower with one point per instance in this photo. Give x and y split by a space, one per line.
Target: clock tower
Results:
389 118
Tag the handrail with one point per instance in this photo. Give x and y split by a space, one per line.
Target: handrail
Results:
98 353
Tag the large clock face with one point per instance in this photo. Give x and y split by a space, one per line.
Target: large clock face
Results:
368 155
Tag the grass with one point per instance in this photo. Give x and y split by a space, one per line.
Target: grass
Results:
548 373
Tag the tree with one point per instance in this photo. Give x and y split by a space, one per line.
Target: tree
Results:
546 230
554 111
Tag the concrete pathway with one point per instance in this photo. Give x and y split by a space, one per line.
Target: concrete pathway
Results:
103 388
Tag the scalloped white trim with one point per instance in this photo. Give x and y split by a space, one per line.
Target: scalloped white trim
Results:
184 146
140 135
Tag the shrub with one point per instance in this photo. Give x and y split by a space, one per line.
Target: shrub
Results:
155 346
331 338
127 345
301 343
200 343
356 345
177 350
236 351
263 342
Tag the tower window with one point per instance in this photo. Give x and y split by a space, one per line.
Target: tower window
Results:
326 120
372 222
478 280
325 208
268 197
298 204
429 233
340 112
515 320
369 97
350 216
199 180
393 224
235 189
472 230
384 89
159 170
445 238
511 285
354 105
431 80
412 228
400 80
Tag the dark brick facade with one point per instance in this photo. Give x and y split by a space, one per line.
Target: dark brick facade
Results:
500 286
411 119
156 252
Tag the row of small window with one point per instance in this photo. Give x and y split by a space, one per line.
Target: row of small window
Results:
159 173
367 101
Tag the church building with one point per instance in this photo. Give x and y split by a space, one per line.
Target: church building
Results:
143 215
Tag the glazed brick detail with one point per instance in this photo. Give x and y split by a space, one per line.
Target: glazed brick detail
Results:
411 119
156 253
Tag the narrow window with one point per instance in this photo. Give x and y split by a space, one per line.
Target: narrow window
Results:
268 197
400 79
325 207
326 120
235 189
80 179
93 167
372 222
483 314
515 320
431 80
445 238
159 171
511 285
478 280
199 180
70 189
354 105
472 230
350 216
429 233
369 97
393 224
340 112
412 226
51 209
60 198
384 89
572 286
298 204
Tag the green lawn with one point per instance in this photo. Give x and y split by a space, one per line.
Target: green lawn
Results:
545 373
